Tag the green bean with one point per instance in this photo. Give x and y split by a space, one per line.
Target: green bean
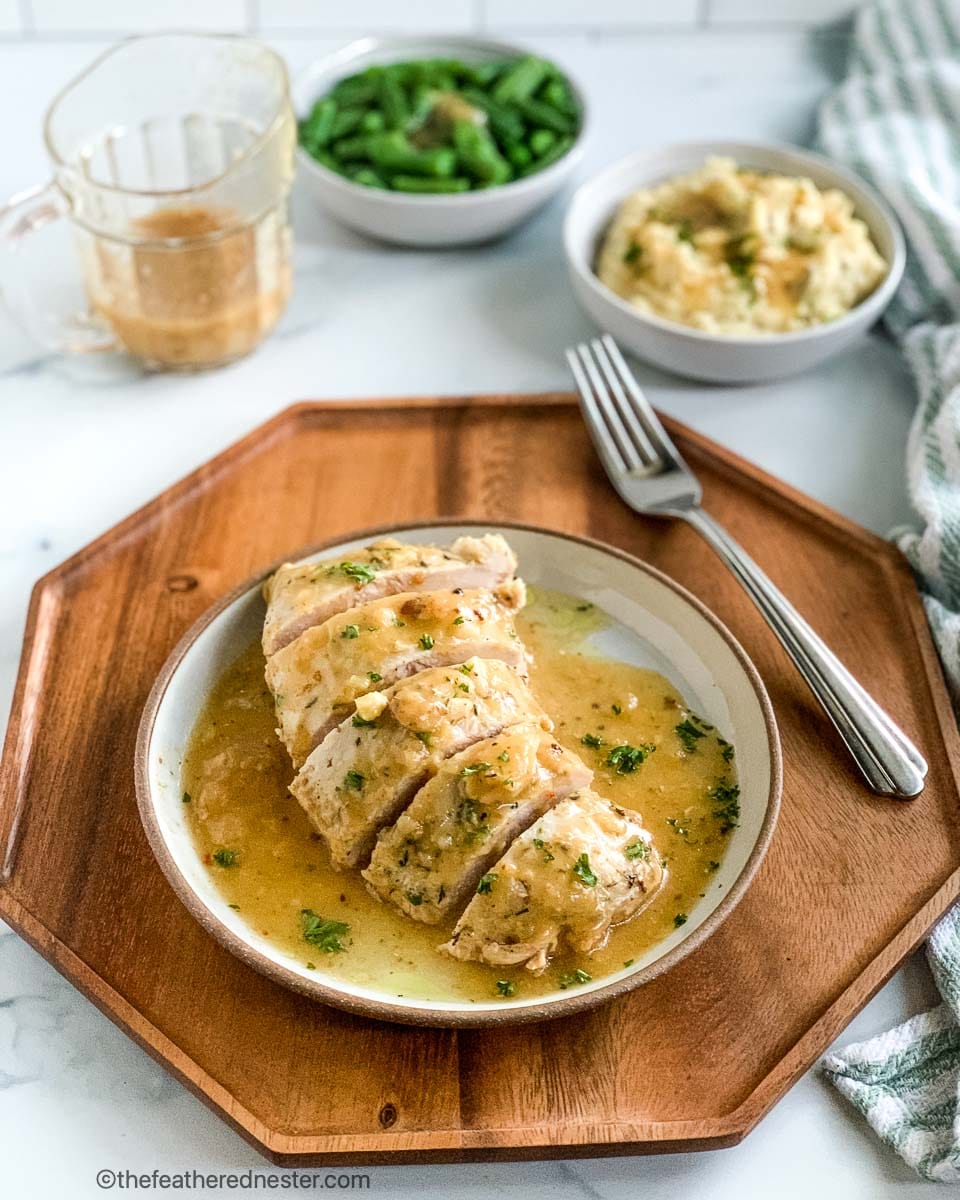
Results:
357 89
519 155
540 141
521 81
483 74
433 72
505 124
326 159
478 152
368 177
393 152
372 122
360 128
556 151
352 148
393 103
556 92
316 130
415 183
538 113
346 121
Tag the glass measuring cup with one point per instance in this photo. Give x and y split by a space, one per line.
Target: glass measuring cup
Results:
172 163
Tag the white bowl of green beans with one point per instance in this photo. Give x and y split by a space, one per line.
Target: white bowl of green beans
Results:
436 141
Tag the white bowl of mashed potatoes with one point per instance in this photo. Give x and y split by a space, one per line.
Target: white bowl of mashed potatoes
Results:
732 262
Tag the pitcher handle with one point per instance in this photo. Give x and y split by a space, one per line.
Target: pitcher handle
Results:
22 218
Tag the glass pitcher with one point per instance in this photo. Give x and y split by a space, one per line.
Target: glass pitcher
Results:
172 162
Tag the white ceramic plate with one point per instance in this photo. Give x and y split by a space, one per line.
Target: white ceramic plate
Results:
655 624
425 220
715 357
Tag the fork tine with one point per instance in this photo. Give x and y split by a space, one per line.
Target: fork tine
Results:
605 420
611 414
604 440
631 422
641 405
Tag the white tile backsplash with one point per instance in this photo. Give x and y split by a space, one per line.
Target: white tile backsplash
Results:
136 16
778 12
50 18
422 16
598 14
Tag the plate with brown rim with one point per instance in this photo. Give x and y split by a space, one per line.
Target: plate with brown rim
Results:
650 635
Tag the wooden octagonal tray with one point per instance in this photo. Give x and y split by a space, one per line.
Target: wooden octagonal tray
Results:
850 886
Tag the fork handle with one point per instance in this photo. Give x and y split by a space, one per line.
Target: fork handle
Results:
889 761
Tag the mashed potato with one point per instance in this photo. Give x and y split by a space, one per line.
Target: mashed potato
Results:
736 251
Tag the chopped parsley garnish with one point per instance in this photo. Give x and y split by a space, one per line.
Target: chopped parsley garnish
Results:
325 935
225 858
506 987
713 866
424 735
235 907
540 844
463 687
467 668
374 676
629 962
677 827
680 919
688 734
358 572
350 632
741 256
625 758
581 868
726 796
638 849
572 978
504 757
616 709
475 768
726 750
426 641
354 781
187 797
362 722
458 620
399 623
593 740
470 814
415 899
584 607
485 886
633 253
685 231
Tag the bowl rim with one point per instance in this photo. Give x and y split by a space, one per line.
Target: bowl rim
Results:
328 994
867 309
360 47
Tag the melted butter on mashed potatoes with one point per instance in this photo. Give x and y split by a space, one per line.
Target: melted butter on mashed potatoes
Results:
735 251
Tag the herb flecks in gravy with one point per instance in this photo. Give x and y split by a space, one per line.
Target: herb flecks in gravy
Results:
621 719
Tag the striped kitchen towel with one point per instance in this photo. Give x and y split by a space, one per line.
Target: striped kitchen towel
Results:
896 121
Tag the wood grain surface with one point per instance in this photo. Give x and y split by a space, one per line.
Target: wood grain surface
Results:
849 887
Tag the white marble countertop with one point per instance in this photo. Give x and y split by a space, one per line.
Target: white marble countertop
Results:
81 446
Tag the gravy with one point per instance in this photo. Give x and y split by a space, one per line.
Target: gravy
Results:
269 864
197 289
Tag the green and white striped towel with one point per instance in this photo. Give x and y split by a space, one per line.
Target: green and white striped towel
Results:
896 121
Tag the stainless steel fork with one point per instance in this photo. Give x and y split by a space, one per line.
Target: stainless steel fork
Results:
647 471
